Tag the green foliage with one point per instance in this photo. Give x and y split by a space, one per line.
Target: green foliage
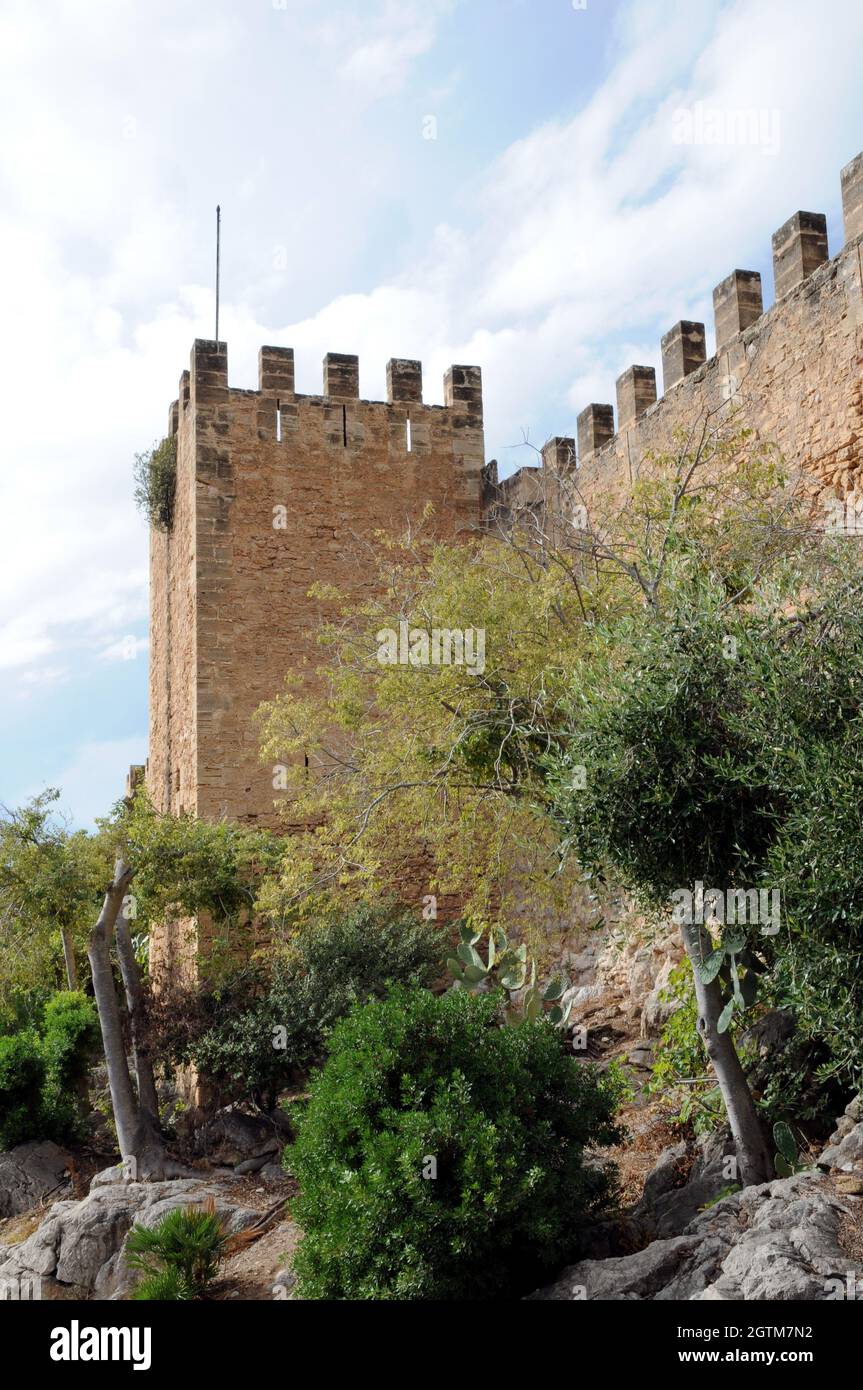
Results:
179 1256
441 1155
155 474
184 866
42 1074
505 968
70 1038
51 880
740 766
251 1033
818 864
22 1071
166 1286
678 788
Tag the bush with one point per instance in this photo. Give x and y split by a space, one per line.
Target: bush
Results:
43 1075
156 482
22 1072
252 1034
441 1155
70 1037
180 1255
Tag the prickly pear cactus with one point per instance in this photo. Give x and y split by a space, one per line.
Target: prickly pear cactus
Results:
506 967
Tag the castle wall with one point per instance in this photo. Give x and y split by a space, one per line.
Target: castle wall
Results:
793 376
278 491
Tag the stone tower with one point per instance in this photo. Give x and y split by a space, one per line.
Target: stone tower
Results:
276 492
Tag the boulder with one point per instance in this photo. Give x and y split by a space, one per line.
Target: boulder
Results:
28 1174
779 1241
668 1205
79 1246
233 1136
846 1156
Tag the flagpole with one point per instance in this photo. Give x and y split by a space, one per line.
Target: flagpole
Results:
218 257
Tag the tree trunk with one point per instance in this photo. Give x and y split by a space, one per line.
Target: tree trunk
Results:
753 1155
69 958
148 1100
140 1144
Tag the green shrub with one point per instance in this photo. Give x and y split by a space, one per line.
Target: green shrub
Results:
22 1072
167 1286
70 1037
441 1155
180 1255
257 1030
43 1075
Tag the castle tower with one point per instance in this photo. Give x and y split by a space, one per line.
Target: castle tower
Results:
276 492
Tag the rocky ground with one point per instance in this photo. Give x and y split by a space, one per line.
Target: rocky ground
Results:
64 1221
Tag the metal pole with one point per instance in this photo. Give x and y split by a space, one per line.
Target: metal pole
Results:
218 255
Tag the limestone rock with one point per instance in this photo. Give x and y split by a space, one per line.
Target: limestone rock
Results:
232 1137
776 1241
79 1246
29 1173
847 1154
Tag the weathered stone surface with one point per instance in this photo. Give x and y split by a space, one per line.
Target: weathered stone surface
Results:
636 392
80 1245
595 426
737 304
776 1241
277 491
683 351
668 1206
847 1154
29 1173
799 247
233 1137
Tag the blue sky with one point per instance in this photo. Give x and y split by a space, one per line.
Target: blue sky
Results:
554 226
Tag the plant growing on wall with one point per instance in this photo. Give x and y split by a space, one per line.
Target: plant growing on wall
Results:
156 482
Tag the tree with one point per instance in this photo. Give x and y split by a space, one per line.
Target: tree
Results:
50 877
471 762
49 880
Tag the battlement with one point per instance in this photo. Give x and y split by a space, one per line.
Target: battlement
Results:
792 375
206 383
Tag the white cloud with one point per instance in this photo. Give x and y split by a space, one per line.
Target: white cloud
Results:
584 240
380 44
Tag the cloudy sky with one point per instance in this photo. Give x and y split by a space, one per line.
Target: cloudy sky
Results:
507 182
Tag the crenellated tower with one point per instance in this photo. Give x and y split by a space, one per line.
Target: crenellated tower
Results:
277 491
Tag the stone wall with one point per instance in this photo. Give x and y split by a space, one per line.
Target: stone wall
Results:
276 492
793 376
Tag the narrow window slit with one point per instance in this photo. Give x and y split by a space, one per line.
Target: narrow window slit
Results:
278 422
345 426
408 435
